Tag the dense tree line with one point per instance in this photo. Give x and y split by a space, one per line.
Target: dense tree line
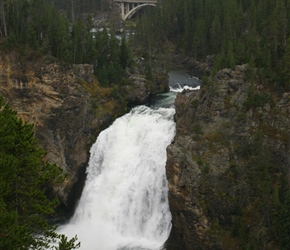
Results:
75 8
256 32
37 27
235 31
24 179
23 27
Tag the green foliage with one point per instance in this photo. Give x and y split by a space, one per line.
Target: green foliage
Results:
24 178
72 43
236 32
102 74
75 8
194 103
215 34
255 99
283 221
66 244
125 58
197 129
265 220
149 76
286 67
205 168
112 58
281 213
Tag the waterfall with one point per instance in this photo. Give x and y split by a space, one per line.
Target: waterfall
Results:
124 202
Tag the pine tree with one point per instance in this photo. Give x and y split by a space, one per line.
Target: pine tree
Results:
24 178
286 67
124 54
215 34
3 23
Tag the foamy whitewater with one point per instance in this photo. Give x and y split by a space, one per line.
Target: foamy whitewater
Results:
124 203
179 89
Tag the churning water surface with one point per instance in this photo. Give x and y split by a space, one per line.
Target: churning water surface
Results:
124 203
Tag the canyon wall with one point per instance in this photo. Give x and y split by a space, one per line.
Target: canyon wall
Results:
68 108
225 166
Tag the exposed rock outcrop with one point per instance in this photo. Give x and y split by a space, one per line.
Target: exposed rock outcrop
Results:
192 66
67 107
141 89
223 168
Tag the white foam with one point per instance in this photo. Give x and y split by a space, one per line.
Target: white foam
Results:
124 202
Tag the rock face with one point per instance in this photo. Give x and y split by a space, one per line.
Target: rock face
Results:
230 149
192 66
140 90
67 107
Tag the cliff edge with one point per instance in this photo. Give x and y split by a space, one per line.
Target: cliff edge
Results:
227 164
68 108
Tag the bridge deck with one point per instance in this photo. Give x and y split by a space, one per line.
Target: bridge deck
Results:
136 1
130 7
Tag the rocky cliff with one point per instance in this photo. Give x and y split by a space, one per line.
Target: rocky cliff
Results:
227 162
68 108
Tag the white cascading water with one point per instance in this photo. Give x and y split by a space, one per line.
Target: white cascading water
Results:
124 203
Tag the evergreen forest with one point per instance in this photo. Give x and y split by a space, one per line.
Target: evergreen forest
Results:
234 32
73 9
53 33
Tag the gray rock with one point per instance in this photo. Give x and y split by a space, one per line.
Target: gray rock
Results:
211 167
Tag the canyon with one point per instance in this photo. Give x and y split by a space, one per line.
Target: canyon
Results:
68 108
224 167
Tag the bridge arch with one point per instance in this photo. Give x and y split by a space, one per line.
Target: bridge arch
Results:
135 9
130 7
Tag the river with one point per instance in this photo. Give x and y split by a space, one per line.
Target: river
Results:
124 203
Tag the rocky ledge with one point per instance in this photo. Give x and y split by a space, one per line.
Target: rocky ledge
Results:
68 108
229 154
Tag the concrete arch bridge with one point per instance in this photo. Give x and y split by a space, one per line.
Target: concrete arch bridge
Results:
130 7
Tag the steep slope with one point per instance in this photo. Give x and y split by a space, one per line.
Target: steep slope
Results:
68 108
227 164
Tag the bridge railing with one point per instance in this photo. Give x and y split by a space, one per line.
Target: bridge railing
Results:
136 1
